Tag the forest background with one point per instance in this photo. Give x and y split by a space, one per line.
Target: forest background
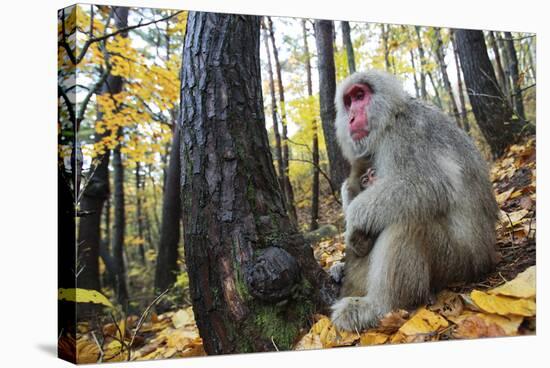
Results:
525 27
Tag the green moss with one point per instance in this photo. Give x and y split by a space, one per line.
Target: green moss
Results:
282 328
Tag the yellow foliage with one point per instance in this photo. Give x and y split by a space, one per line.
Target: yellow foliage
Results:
503 305
83 296
523 286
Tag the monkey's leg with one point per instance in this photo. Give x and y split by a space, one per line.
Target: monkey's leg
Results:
398 277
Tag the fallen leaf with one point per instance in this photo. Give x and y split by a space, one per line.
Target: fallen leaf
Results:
503 197
373 338
392 321
448 304
309 341
523 286
83 296
473 325
183 317
423 322
503 305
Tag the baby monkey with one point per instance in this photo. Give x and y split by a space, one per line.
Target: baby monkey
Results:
362 175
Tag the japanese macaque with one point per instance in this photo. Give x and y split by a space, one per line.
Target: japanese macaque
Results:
429 209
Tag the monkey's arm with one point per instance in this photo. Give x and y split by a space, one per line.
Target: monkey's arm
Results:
344 193
413 196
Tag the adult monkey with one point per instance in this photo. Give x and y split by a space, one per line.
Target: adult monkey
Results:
431 208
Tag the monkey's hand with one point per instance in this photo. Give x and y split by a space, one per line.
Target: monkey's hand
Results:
336 271
354 314
359 242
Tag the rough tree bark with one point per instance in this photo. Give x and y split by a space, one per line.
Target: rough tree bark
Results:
346 38
289 192
384 36
514 74
440 55
339 167
463 111
167 266
493 114
253 280
314 221
278 149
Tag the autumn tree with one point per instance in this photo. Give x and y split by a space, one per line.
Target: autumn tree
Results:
493 114
249 268
346 39
339 167
514 74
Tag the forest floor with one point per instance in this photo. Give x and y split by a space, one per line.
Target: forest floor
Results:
503 304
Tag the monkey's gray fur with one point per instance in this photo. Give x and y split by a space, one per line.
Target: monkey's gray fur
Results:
431 206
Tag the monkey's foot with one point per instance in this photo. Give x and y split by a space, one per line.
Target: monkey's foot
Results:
336 271
353 314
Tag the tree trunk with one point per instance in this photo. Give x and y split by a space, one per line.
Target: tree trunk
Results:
121 21
384 36
314 222
493 115
289 193
139 215
514 73
405 29
253 280
440 54
463 111
167 266
119 228
339 167
437 99
346 37
278 149
423 89
502 78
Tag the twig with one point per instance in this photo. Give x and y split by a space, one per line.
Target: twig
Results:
142 319
333 192
99 347
273 342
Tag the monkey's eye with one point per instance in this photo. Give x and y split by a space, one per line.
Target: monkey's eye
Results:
347 101
359 96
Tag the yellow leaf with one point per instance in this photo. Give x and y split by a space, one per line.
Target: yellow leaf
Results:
523 286
83 296
330 336
183 317
310 341
423 322
513 218
503 197
373 338
503 305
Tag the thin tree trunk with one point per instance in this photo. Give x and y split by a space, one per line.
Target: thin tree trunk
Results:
502 78
514 73
492 112
437 98
413 64
385 45
314 222
443 67
139 215
463 111
278 149
167 259
253 280
121 291
339 167
423 89
346 38
289 193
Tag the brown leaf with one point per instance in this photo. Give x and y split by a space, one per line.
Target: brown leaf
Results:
392 321
448 304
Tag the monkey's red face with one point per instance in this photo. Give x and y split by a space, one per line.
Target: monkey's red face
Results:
356 100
